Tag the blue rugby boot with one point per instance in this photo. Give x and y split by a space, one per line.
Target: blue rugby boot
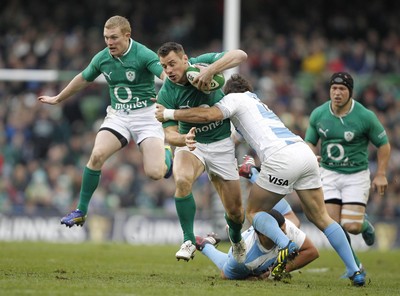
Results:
358 279
74 218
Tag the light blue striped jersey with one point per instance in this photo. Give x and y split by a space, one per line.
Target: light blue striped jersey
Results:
261 127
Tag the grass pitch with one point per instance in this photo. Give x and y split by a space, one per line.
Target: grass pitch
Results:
36 268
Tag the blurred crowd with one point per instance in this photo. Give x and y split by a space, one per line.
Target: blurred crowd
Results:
292 51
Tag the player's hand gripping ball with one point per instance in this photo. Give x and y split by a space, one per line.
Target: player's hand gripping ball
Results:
217 81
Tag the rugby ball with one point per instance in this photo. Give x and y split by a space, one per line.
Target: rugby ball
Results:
217 81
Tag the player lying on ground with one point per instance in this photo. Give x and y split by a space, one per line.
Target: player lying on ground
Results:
262 258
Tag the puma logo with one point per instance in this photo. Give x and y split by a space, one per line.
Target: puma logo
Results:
323 131
107 75
185 106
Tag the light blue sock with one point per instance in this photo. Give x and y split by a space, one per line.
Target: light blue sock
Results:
267 225
217 257
283 207
254 175
339 242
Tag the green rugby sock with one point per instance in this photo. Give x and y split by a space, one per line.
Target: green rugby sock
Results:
235 229
186 209
168 157
90 181
365 225
168 162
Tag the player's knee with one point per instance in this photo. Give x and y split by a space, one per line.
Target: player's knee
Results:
97 159
154 173
352 227
234 209
183 185
236 214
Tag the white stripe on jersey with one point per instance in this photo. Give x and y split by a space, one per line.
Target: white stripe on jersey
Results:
259 125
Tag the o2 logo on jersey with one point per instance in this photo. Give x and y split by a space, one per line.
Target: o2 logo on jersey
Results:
130 75
335 152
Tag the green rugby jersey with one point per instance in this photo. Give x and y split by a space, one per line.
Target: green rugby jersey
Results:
177 96
130 77
344 140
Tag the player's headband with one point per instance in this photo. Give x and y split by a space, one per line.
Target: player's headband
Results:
344 79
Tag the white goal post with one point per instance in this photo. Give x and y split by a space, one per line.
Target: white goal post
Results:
46 76
39 75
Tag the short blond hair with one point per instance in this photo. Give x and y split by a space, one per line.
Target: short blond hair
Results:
117 21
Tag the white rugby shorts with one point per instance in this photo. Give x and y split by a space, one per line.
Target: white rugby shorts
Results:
349 188
134 124
294 167
218 158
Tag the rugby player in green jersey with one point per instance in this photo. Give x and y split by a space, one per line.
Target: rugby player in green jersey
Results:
344 129
215 150
129 69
